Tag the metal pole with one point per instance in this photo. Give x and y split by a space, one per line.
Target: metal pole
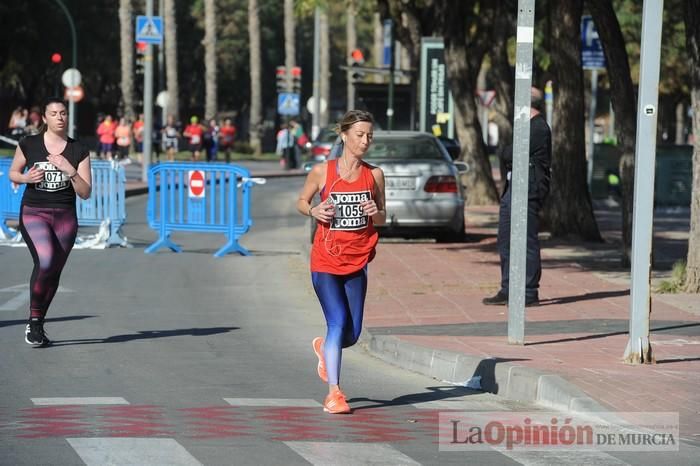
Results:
161 68
316 117
639 347
549 102
591 125
74 65
390 103
147 102
521 161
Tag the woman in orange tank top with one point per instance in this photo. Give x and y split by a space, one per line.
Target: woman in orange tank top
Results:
352 202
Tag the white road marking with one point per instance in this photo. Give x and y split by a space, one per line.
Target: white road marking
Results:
282 402
132 451
547 458
463 405
90 400
339 453
21 298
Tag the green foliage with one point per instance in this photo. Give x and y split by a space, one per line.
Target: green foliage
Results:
675 283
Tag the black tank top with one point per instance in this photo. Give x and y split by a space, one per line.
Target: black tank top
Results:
55 190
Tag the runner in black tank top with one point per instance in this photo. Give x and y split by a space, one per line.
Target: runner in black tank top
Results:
58 169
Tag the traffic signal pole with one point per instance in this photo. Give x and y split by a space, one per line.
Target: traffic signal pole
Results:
74 62
390 99
147 102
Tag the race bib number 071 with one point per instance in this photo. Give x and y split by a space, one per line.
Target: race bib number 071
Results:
54 179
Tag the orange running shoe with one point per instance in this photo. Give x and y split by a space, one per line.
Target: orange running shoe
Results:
317 344
335 403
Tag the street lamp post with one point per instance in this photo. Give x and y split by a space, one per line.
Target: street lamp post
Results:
74 64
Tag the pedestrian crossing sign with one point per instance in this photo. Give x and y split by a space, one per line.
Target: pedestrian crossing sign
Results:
288 103
149 29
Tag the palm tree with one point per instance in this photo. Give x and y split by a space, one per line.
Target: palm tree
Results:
126 44
170 32
289 41
351 35
255 76
692 28
324 66
210 105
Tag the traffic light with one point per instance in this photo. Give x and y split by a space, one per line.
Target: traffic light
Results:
281 76
55 72
296 79
140 57
356 60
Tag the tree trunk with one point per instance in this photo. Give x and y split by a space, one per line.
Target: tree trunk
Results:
680 124
377 46
351 44
692 31
172 83
624 104
210 106
255 76
464 51
126 45
289 42
324 67
568 209
502 76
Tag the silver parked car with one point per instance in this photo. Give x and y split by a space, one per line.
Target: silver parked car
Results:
423 191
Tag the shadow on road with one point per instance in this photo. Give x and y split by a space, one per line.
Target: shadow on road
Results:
9 323
147 335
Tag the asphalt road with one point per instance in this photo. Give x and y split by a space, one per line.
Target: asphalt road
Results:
168 358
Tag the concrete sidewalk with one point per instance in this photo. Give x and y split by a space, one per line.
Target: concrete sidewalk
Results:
424 313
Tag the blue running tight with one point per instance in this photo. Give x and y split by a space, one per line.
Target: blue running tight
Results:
50 234
342 299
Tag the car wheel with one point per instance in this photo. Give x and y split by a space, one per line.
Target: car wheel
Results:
451 236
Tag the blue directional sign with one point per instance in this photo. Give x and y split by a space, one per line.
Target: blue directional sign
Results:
288 103
149 29
592 54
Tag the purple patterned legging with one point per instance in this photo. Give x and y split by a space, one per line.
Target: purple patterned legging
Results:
50 234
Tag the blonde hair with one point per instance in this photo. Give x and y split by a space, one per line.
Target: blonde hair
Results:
350 118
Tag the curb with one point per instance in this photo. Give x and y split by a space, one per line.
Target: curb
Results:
497 375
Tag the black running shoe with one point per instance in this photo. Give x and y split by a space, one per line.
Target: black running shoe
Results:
35 335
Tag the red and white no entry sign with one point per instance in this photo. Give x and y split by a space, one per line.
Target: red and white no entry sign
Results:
196 184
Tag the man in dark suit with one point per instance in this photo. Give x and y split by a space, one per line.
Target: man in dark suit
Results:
538 188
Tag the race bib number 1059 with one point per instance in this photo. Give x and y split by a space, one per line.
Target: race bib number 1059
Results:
348 211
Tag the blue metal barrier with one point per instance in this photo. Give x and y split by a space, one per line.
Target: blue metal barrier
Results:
10 197
107 201
199 197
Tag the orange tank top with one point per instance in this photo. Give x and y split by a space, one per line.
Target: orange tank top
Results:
348 243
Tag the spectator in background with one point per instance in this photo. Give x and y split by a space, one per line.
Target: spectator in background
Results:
18 122
171 135
122 134
227 135
538 189
137 128
156 138
35 123
194 132
105 133
286 147
211 140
